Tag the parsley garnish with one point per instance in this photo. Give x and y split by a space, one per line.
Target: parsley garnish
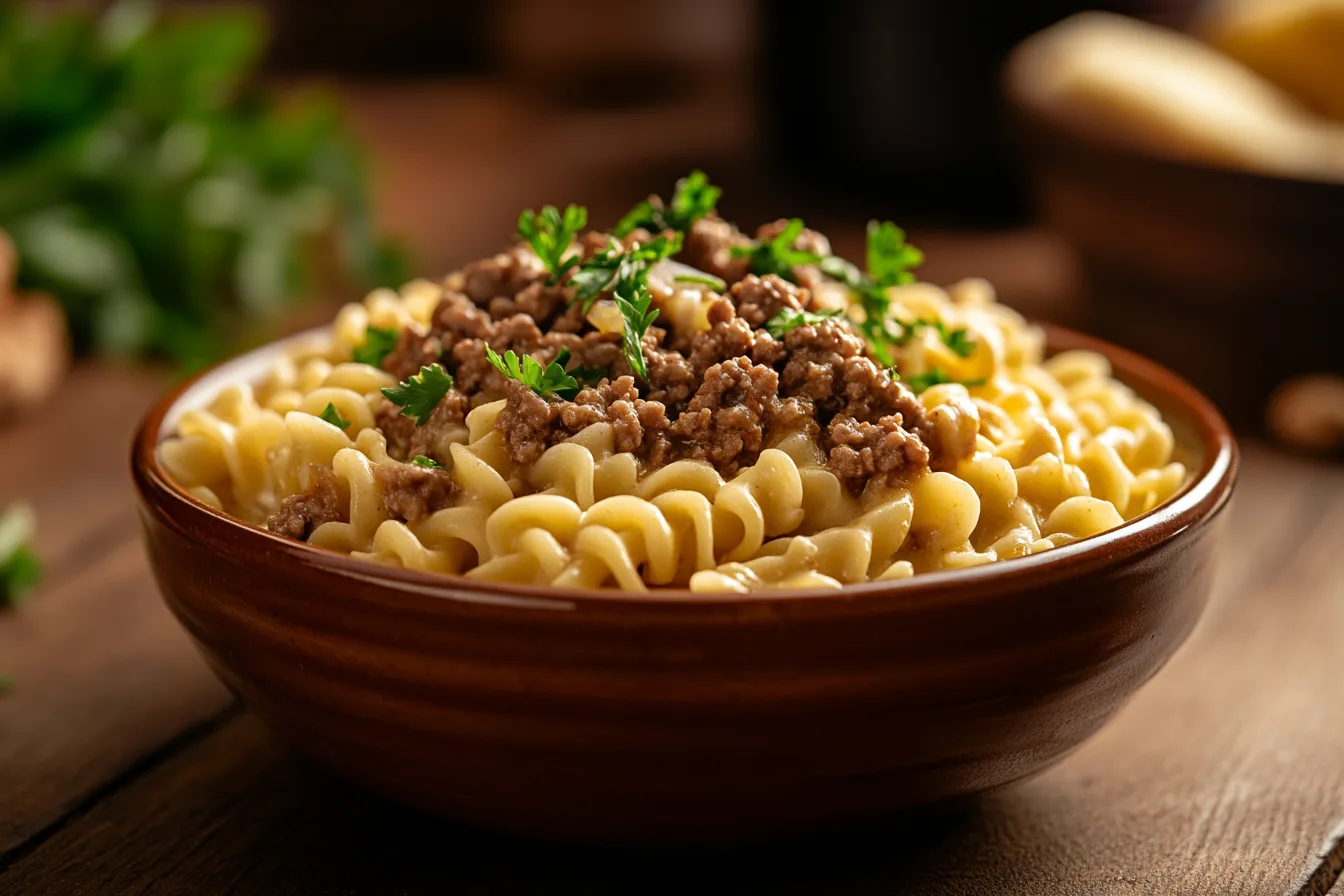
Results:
551 234
890 260
333 416
418 396
20 569
692 199
958 340
545 381
787 318
777 255
934 376
421 461
615 266
378 344
635 311
712 282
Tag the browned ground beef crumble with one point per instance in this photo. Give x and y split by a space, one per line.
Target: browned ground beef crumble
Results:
720 395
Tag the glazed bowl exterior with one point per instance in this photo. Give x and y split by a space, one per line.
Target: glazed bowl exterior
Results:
671 718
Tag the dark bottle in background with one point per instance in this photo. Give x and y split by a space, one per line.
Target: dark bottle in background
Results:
897 102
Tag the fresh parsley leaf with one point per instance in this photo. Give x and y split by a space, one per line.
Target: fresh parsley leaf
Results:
588 376
957 339
777 256
615 265
712 282
20 568
378 344
550 234
552 380
934 376
693 198
418 396
787 318
421 461
637 316
890 258
333 416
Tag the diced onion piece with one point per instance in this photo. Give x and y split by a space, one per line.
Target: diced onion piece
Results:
606 317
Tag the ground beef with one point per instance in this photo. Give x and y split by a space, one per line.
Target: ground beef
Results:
725 421
719 394
300 514
806 275
405 439
860 451
761 298
413 351
816 356
505 274
412 492
708 246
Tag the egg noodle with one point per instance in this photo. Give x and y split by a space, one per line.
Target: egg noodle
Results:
1061 451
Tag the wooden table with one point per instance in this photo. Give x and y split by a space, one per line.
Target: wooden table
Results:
126 769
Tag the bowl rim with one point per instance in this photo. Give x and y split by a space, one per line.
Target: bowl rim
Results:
1199 500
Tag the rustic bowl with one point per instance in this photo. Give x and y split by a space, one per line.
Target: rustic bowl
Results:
676 719
1233 279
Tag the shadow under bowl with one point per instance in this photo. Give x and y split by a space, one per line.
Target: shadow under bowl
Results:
674 719
1233 279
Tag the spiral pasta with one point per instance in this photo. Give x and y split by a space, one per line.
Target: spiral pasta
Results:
1052 450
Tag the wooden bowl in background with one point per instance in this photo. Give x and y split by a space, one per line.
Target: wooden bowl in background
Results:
1233 279
670 718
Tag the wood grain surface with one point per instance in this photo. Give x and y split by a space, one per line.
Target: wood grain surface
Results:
126 769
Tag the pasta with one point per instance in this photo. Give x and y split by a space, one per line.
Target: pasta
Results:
1014 454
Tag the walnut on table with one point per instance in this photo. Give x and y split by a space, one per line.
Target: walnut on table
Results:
34 347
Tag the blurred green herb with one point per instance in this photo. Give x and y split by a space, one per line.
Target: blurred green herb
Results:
617 267
890 261
20 570
692 198
637 317
786 318
777 255
378 344
333 416
709 280
546 381
934 376
421 461
163 199
420 395
551 233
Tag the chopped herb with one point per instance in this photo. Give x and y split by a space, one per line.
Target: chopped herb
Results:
588 376
418 396
550 233
378 344
635 311
934 376
333 416
712 282
545 381
693 198
777 255
890 258
616 265
787 318
20 569
421 461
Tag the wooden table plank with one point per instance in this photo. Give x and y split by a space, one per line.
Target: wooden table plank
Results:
1222 777
102 674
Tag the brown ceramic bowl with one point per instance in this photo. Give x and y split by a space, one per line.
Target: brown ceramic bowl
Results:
681 719
1233 279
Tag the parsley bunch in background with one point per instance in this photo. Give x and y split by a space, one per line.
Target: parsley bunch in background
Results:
20 570
162 200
